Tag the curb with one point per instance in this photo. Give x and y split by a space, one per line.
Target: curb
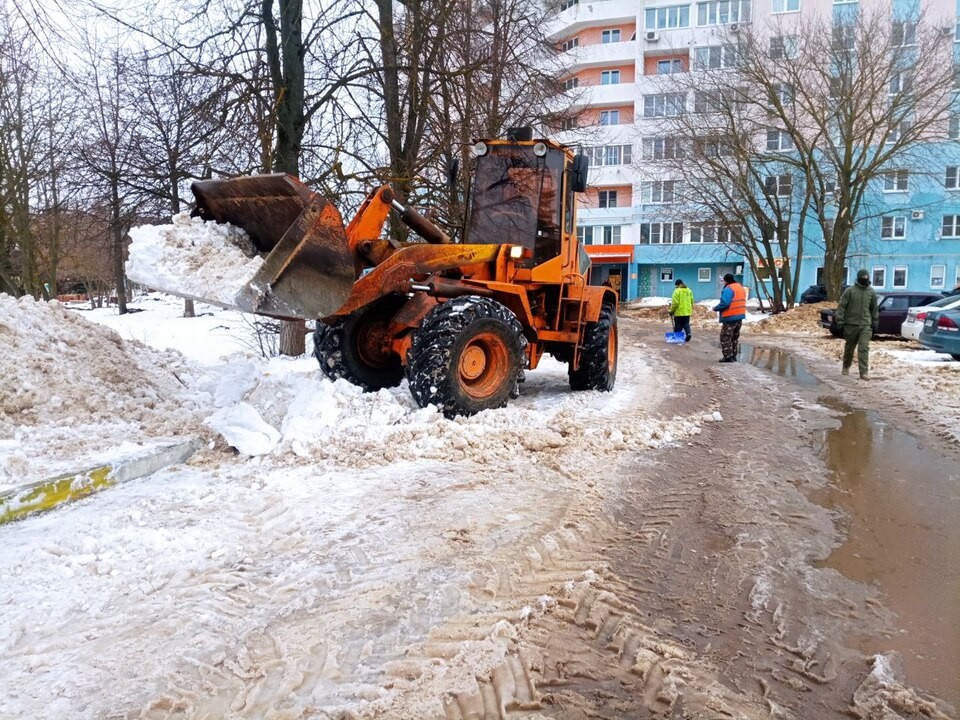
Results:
53 492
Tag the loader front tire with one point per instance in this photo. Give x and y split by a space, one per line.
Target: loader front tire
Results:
466 356
598 356
352 348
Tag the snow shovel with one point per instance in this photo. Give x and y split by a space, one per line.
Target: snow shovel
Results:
674 338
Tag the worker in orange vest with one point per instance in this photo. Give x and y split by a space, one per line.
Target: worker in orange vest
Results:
733 309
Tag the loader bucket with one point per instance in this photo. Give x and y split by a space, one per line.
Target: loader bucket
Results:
308 270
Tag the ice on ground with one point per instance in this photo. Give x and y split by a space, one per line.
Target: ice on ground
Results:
193 258
242 427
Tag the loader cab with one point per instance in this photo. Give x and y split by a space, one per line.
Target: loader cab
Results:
517 196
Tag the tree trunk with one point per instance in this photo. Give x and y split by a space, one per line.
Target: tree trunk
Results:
188 311
293 335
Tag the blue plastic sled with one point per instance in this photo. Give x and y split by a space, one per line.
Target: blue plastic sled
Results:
675 337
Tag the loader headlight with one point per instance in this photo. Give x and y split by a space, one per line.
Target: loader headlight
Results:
479 149
516 252
540 149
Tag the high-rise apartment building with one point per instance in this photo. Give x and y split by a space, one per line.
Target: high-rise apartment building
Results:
616 54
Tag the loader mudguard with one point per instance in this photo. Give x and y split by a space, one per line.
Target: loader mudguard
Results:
397 272
594 298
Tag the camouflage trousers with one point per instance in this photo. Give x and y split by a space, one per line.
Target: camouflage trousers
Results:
857 337
730 339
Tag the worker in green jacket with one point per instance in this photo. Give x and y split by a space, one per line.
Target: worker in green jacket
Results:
681 308
859 317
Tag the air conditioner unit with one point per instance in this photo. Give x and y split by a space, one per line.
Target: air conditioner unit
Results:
652 36
916 215
734 28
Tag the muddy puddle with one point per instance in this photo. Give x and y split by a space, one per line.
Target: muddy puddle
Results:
899 505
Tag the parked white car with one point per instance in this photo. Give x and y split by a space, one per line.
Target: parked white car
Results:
916 315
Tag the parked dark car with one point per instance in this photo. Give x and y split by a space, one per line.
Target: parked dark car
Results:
893 311
941 332
950 293
816 293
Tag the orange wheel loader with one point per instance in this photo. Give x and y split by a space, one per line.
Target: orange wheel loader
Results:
461 321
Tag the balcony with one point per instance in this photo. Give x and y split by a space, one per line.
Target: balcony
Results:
608 175
605 216
585 56
592 14
606 95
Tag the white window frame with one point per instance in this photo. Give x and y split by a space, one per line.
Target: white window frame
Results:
667 17
896 181
951 177
666 274
664 104
907 32
783 189
570 43
954 231
845 2
609 36
779 142
714 57
609 117
723 12
661 147
571 83
609 77
660 192
942 277
663 229
906 271
567 4
783 47
605 196
888 231
704 274
882 271
780 7
673 66
901 83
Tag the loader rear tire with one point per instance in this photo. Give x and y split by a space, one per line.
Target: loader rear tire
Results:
466 356
598 357
351 349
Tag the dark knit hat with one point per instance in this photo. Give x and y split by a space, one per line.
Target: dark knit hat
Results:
862 274
678 283
728 278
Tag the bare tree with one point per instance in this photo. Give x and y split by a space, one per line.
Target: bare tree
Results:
858 96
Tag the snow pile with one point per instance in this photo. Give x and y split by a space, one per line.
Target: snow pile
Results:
72 389
800 320
193 258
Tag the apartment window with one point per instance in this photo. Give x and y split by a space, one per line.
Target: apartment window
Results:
567 4
779 185
609 117
610 36
664 105
896 180
899 276
897 132
707 232
715 57
904 33
951 181
608 198
953 130
829 185
568 123
609 155
571 83
661 233
784 6
844 2
778 140
722 12
951 226
606 235
784 47
783 93
900 83
666 18
666 274
570 44
893 227
704 274
610 77
660 192
661 148
715 147
938 274
669 67
585 234
844 36
879 276
705 102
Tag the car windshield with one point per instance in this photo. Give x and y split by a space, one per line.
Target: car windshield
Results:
947 302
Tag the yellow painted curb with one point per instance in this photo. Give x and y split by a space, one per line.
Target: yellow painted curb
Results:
53 492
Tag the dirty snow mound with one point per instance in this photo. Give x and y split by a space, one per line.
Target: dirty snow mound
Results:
193 258
800 320
71 387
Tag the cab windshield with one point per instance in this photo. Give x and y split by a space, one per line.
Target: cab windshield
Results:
516 199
